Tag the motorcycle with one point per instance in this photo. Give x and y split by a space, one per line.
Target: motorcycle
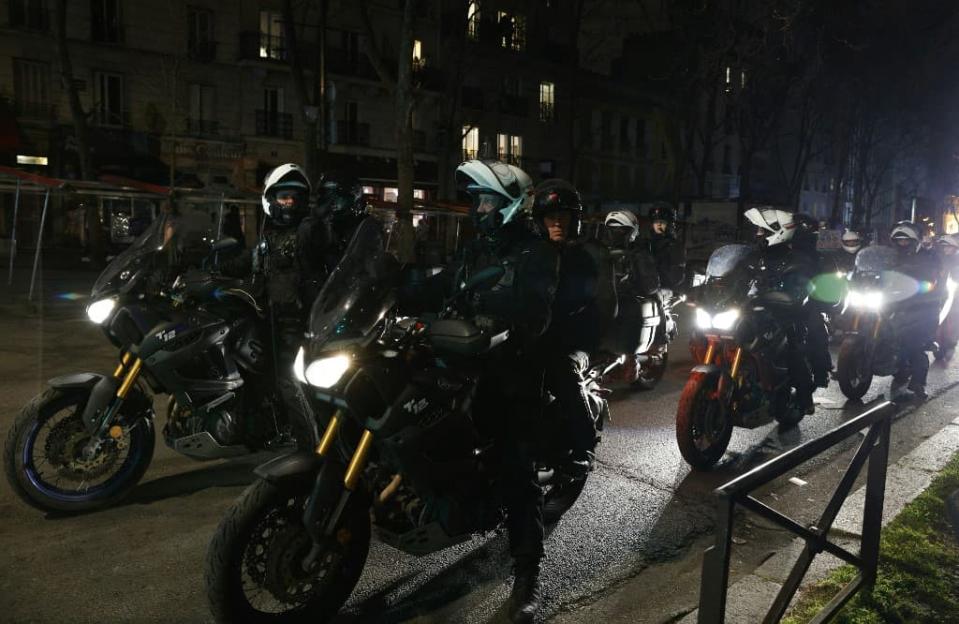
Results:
743 380
947 334
647 358
870 346
404 447
87 440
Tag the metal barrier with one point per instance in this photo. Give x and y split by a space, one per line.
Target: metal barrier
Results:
875 448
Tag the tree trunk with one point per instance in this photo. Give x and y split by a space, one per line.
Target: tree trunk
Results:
308 112
709 127
404 137
77 113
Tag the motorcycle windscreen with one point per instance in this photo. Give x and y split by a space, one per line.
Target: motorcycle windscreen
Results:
876 258
171 241
725 259
357 295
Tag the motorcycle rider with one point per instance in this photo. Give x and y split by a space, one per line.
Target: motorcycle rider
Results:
851 242
947 248
822 300
668 252
520 302
585 303
920 318
789 271
636 271
340 208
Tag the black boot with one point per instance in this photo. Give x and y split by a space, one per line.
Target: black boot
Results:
526 597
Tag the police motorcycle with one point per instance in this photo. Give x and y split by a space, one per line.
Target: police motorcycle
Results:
180 330
870 346
403 451
743 378
642 332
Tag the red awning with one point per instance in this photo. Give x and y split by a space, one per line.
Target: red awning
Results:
147 187
32 177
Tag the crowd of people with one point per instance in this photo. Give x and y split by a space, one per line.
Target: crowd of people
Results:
558 294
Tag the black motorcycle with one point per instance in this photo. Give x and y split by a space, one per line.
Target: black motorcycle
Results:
404 447
878 319
743 378
86 441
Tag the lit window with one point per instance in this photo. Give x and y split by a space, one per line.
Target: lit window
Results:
368 190
419 194
390 194
509 148
470 142
547 101
272 45
513 28
418 60
473 20
742 80
728 74
32 160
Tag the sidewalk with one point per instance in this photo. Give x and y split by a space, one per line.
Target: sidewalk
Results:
675 584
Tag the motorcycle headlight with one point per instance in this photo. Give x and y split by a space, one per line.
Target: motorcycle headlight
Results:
325 372
703 319
99 311
299 368
725 321
870 300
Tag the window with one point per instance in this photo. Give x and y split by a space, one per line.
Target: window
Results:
624 145
390 194
513 29
473 20
273 100
509 148
418 60
419 194
200 45
105 21
29 14
272 43
31 87
547 101
271 120
742 80
729 79
641 137
470 142
202 117
109 105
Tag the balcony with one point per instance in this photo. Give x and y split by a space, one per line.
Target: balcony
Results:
29 16
470 154
430 78
514 105
202 51
340 61
274 124
35 110
202 127
108 118
352 133
510 159
257 46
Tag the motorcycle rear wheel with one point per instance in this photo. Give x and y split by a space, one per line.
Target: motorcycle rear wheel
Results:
259 546
703 425
853 370
648 377
35 472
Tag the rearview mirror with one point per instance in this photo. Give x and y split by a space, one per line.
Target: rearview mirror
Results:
487 278
224 243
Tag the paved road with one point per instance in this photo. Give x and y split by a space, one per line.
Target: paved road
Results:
142 562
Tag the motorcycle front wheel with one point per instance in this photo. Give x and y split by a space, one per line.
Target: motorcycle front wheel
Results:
254 571
45 463
853 368
703 423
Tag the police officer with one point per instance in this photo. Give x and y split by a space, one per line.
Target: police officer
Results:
920 316
947 248
668 252
782 268
851 242
585 304
512 390
340 208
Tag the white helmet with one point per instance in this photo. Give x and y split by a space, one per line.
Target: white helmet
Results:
498 191
286 177
624 221
906 236
779 223
948 244
851 241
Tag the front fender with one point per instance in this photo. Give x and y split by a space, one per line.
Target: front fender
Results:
74 381
708 369
289 466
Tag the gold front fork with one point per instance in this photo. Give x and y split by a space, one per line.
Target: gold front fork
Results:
735 367
709 352
329 435
358 462
124 360
875 329
130 379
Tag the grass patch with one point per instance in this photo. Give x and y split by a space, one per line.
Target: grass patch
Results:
918 580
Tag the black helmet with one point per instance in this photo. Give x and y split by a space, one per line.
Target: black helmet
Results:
287 180
662 211
807 231
554 196
340 196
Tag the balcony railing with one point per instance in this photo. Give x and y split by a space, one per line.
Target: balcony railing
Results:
470 154
203 51
547 111
29 16
340 61
352 133
35 110
202 127
510 159
104 117
272 123
264 47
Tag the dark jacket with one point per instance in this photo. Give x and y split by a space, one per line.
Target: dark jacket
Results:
670 257
586 300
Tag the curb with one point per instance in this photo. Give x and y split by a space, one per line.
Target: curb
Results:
749 598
